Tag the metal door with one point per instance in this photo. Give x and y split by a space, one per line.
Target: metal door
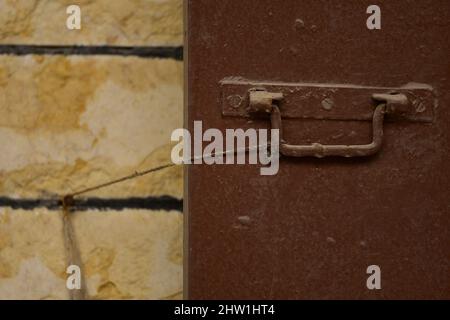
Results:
313 230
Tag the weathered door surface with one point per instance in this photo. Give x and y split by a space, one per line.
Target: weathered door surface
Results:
321 226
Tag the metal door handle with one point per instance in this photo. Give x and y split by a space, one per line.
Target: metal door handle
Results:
343 102
320 151
261 101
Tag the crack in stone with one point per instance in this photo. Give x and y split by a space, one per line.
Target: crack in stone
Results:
73 255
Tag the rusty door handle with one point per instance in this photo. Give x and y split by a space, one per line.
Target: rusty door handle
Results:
262 101
342 102
320 151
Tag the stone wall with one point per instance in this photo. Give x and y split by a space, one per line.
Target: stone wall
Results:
69 122
112 22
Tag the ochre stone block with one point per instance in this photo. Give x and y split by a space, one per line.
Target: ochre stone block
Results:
132 254
73 122
104 22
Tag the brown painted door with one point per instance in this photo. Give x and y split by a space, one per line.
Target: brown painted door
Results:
312 230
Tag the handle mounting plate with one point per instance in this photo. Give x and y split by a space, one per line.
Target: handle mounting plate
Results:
326 101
